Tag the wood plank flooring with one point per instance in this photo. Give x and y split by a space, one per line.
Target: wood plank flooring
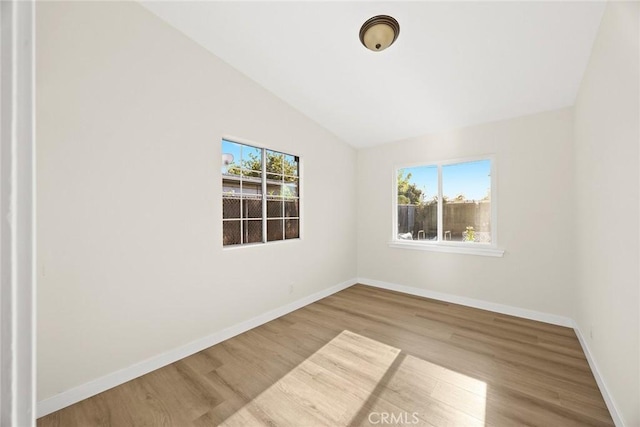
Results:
366 356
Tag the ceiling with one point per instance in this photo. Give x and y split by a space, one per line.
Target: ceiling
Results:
454 63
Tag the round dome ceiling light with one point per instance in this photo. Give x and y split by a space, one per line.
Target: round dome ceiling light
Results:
379 32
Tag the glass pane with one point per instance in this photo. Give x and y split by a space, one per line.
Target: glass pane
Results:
251 159
466 190
231 158
290 189
291 229
291 165
291 208
274 189
274 207
230 206
274 178
252 231
252 208
250 188
417 197
230 186
285 190
230 233
274 229
251 175
274 161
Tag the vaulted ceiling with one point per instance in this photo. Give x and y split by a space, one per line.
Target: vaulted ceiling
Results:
454 63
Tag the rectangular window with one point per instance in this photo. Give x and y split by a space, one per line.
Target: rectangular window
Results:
446 203
260 195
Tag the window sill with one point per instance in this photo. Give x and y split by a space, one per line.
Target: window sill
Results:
259 244
447 248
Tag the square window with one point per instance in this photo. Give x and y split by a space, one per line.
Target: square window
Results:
260 188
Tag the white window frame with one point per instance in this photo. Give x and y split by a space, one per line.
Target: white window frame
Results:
264 218
470 248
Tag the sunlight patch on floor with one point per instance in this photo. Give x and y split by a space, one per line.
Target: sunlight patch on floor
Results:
354 380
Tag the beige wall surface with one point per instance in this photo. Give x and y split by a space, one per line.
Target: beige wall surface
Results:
130 259
534 200
607 135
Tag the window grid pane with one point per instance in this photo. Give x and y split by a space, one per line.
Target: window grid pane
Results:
230 206
275 228
292 229
274 207
291 209
231 233
252 207
252 231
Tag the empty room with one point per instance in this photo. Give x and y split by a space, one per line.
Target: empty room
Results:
320 213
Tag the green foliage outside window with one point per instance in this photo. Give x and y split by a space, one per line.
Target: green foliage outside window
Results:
408 193
276 163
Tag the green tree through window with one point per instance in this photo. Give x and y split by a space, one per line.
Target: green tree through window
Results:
408 192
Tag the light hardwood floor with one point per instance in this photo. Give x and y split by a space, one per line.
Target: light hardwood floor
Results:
366 356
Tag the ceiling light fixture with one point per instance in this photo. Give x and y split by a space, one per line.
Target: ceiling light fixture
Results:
379 32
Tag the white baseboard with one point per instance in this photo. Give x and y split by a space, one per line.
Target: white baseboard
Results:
106 382
613 410
471 302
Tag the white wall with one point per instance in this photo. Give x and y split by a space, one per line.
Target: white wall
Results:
130 117
534 190
607 120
